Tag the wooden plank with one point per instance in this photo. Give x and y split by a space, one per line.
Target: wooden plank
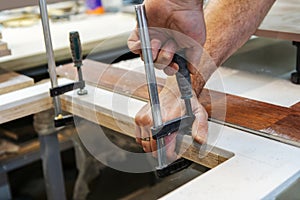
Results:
11 81
97 107
241 112
282 21
26 101
296 107
3 45
288 127
5 52
102 75
99 110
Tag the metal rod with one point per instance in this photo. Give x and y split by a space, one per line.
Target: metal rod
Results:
4 186
149 66
49 144
79 72
151 80
50 54
52 167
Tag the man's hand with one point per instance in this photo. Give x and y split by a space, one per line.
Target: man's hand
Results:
173 25
172 107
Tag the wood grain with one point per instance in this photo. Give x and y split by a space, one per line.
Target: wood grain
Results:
282 21
26 101
11 81
36 98
241 112
5 52
94 111
296 107
3 45
111 78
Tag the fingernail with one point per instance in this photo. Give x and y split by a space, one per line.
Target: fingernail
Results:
199 139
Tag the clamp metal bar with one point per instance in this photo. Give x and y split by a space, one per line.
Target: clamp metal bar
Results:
50 151
50 53
151 81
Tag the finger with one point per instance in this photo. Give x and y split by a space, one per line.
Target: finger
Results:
170 71
175 66
143 117
165 55
200 126
155 46
133 42
138 135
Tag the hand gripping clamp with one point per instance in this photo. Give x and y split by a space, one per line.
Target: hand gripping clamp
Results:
162 129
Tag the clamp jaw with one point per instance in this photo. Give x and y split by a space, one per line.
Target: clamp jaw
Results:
75 45
181 124
162 129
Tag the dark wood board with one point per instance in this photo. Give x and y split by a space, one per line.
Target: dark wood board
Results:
242 112
110 78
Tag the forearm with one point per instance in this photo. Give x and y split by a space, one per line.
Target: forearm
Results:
229 24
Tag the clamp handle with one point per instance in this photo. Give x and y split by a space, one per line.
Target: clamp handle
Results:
184 123
183 76
184 81
76 50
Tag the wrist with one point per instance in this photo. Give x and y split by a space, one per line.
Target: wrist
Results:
198 83
187 4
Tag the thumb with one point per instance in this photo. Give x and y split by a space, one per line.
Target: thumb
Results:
200 125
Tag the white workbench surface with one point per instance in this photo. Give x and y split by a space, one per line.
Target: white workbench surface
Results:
260 167
28 47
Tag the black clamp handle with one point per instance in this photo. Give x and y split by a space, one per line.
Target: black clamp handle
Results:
183 76
76 50
182 124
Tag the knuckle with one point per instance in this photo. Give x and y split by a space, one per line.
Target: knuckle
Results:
169 71
143 120
166 57
159 66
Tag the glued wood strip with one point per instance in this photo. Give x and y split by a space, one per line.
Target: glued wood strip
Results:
11 81
241 112
102 112
36 99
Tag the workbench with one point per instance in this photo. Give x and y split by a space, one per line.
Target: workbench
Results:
29 51
246 165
